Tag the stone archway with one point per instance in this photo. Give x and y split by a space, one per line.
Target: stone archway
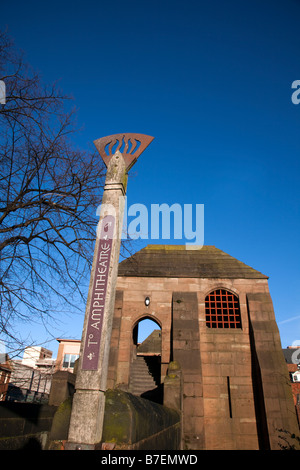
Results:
145 370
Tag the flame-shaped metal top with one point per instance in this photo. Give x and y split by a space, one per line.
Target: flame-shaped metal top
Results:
130 145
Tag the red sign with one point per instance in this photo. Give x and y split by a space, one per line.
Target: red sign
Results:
96 311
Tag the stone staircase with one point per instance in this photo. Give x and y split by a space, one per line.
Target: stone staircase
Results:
141 379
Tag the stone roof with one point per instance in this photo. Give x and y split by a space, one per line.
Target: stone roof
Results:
152 344
186 261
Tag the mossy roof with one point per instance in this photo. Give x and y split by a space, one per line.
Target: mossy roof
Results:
185 261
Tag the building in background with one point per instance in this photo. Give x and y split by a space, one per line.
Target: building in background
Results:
5 373
68 353
29 379
34 354
31 376
63 381
292 357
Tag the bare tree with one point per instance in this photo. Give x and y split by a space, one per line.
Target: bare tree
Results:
49 192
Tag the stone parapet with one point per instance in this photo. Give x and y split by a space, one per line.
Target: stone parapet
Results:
132 422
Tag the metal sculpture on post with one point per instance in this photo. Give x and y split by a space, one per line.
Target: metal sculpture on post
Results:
119 153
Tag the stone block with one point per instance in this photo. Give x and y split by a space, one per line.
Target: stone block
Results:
227 370
192 406
62 387
215 407
243 408
129 419
124 355
212 390
61 421
245 441
188 359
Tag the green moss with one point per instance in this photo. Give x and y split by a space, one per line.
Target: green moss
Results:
129 419
174 365
172 376
124 181
61 420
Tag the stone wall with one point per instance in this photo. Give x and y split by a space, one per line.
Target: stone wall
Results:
24 425
130 423
186 351
134 423
63 386
276 408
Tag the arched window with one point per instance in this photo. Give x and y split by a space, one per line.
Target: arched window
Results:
222 310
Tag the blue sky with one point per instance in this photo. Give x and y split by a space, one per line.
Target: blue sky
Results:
211 81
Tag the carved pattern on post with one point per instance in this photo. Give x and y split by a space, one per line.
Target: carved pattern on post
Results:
130 145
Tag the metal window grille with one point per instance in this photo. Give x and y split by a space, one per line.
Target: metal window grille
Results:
222 310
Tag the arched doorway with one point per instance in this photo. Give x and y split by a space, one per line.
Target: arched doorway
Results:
145 373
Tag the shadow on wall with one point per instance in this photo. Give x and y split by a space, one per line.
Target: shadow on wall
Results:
156 395
32 444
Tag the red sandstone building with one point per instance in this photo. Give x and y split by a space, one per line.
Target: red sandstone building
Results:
67 354
216 320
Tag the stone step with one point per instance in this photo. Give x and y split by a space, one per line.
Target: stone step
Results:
141 376
141 379
142 384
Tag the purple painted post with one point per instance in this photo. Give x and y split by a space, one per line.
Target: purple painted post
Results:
92 341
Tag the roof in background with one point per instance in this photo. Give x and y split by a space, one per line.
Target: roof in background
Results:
288 354
151 345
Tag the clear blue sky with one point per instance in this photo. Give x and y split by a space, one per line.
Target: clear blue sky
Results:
211 81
